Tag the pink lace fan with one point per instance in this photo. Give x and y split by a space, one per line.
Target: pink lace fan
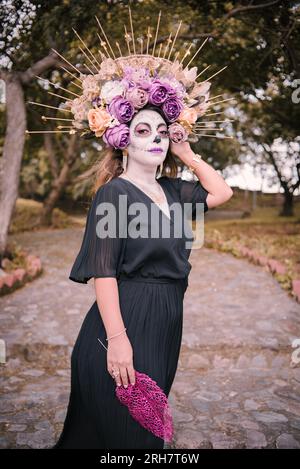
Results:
147 404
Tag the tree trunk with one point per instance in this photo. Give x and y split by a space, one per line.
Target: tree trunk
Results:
12 153
288 205
51 155
59 183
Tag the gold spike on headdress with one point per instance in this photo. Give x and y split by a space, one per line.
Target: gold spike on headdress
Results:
156 32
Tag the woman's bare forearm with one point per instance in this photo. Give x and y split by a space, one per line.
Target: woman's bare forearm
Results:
107 295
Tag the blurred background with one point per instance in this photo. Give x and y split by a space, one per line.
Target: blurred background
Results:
42 200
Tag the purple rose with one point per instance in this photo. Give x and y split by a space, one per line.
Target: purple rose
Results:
117 136
122 109
172 108
159 92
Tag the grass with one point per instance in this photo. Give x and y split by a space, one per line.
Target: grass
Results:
26 217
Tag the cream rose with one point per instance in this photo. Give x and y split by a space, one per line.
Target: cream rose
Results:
99 120
111 89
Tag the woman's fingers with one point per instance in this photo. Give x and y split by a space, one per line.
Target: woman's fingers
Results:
115 374
124 377
118 377
131 374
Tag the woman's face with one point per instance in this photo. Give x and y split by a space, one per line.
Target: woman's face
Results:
148 131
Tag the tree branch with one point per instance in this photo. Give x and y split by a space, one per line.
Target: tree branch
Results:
236 11
39 67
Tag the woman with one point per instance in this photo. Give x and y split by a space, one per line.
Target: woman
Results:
140 284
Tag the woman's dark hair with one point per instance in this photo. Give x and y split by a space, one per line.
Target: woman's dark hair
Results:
109 165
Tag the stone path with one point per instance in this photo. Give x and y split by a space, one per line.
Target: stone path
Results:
234 388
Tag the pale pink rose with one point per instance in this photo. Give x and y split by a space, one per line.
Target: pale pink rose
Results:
99 120
79 113
90 85
177 133
138 97
188 114
79 108
108 68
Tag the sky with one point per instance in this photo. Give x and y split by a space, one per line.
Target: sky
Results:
247 179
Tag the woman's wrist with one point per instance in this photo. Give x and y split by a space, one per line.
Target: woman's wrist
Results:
116 335
194 161
121 339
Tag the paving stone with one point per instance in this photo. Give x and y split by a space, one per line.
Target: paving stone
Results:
191 439
197 361
208 396
287 441
180 416
255 439
33 373
270 417
250 404
249 424
16 428
222 441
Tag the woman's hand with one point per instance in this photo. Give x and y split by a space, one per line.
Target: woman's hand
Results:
120 359
182 150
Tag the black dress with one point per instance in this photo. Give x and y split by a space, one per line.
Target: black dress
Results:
152 275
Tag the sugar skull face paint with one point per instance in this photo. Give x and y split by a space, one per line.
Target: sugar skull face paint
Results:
149 137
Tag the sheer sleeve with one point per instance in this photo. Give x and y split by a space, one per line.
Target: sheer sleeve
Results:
192 192
103 243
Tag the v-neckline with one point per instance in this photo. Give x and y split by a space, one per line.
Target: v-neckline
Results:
148 197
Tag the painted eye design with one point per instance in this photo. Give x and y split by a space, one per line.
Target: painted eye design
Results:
142 132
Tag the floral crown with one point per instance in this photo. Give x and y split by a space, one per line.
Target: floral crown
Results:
116 88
